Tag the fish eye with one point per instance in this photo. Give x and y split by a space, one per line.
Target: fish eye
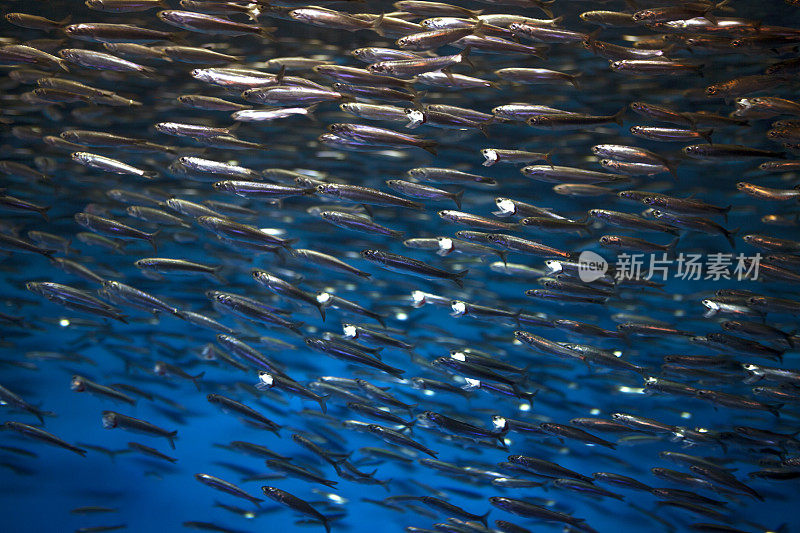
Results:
711 90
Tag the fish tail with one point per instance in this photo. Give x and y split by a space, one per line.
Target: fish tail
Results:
477 29
311 112
151 238
196 378
464 55
458 277
377 23
266 32
574 80
671 246
321 401
730 234
503 256
418 96
619 115
429 146
457 196
219 277
541 4
150 174
43 212
171 438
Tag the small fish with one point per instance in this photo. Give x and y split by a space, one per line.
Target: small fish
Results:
43 436
225 486
115 420
399 263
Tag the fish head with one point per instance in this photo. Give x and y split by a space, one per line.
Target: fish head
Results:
78 384
109 419
169 15
314 342
330 189
266 380
82 218
372 255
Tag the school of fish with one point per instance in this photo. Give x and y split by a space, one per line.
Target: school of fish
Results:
361 266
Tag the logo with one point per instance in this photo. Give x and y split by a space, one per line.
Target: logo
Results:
591 266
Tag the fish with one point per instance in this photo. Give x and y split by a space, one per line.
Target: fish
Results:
113 420
43 436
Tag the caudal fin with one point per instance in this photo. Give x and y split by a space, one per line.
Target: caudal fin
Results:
458 277
457 198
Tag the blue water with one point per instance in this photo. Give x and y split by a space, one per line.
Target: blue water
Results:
151 495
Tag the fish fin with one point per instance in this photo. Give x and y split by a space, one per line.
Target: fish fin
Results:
288 243
458 277
171 438
266 32
775 409
429 146
730 234
43 212
477 29
311 112
619 115
574 80
321 311
376 25
706 135
217 276
503 256
151 239
322 406
465 56
197 377
671 246
460 194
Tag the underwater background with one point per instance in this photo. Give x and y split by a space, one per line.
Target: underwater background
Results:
48 338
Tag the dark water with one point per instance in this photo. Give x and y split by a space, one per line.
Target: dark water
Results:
44 344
